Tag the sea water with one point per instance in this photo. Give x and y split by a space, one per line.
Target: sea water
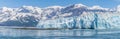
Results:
9 33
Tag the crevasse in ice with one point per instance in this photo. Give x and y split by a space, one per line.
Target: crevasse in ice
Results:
87 20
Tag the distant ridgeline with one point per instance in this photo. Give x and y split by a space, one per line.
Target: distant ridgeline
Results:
72 17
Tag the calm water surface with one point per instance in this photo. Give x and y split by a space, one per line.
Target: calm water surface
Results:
7 33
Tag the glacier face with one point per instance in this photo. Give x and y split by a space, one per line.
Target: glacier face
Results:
72 16
87 20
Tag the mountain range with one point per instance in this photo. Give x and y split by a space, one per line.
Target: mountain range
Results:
30 16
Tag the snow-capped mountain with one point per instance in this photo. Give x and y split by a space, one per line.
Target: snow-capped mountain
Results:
118 8
30 16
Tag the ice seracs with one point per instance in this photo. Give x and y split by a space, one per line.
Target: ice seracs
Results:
87 20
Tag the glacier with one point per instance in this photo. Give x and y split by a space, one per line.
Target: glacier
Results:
71 16
87 20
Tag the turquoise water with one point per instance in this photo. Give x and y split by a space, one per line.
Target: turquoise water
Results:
8 33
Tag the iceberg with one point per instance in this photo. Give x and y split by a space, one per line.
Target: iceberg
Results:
87 20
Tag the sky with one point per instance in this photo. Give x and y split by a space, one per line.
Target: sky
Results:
46 3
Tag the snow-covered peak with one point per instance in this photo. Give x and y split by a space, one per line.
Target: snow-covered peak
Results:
98 7
55 7
78 6
118 8
5 9
26 9
29 9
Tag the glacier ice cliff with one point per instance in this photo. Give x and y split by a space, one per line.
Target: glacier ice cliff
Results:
87 20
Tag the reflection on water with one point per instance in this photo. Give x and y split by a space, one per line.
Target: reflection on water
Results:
58 34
